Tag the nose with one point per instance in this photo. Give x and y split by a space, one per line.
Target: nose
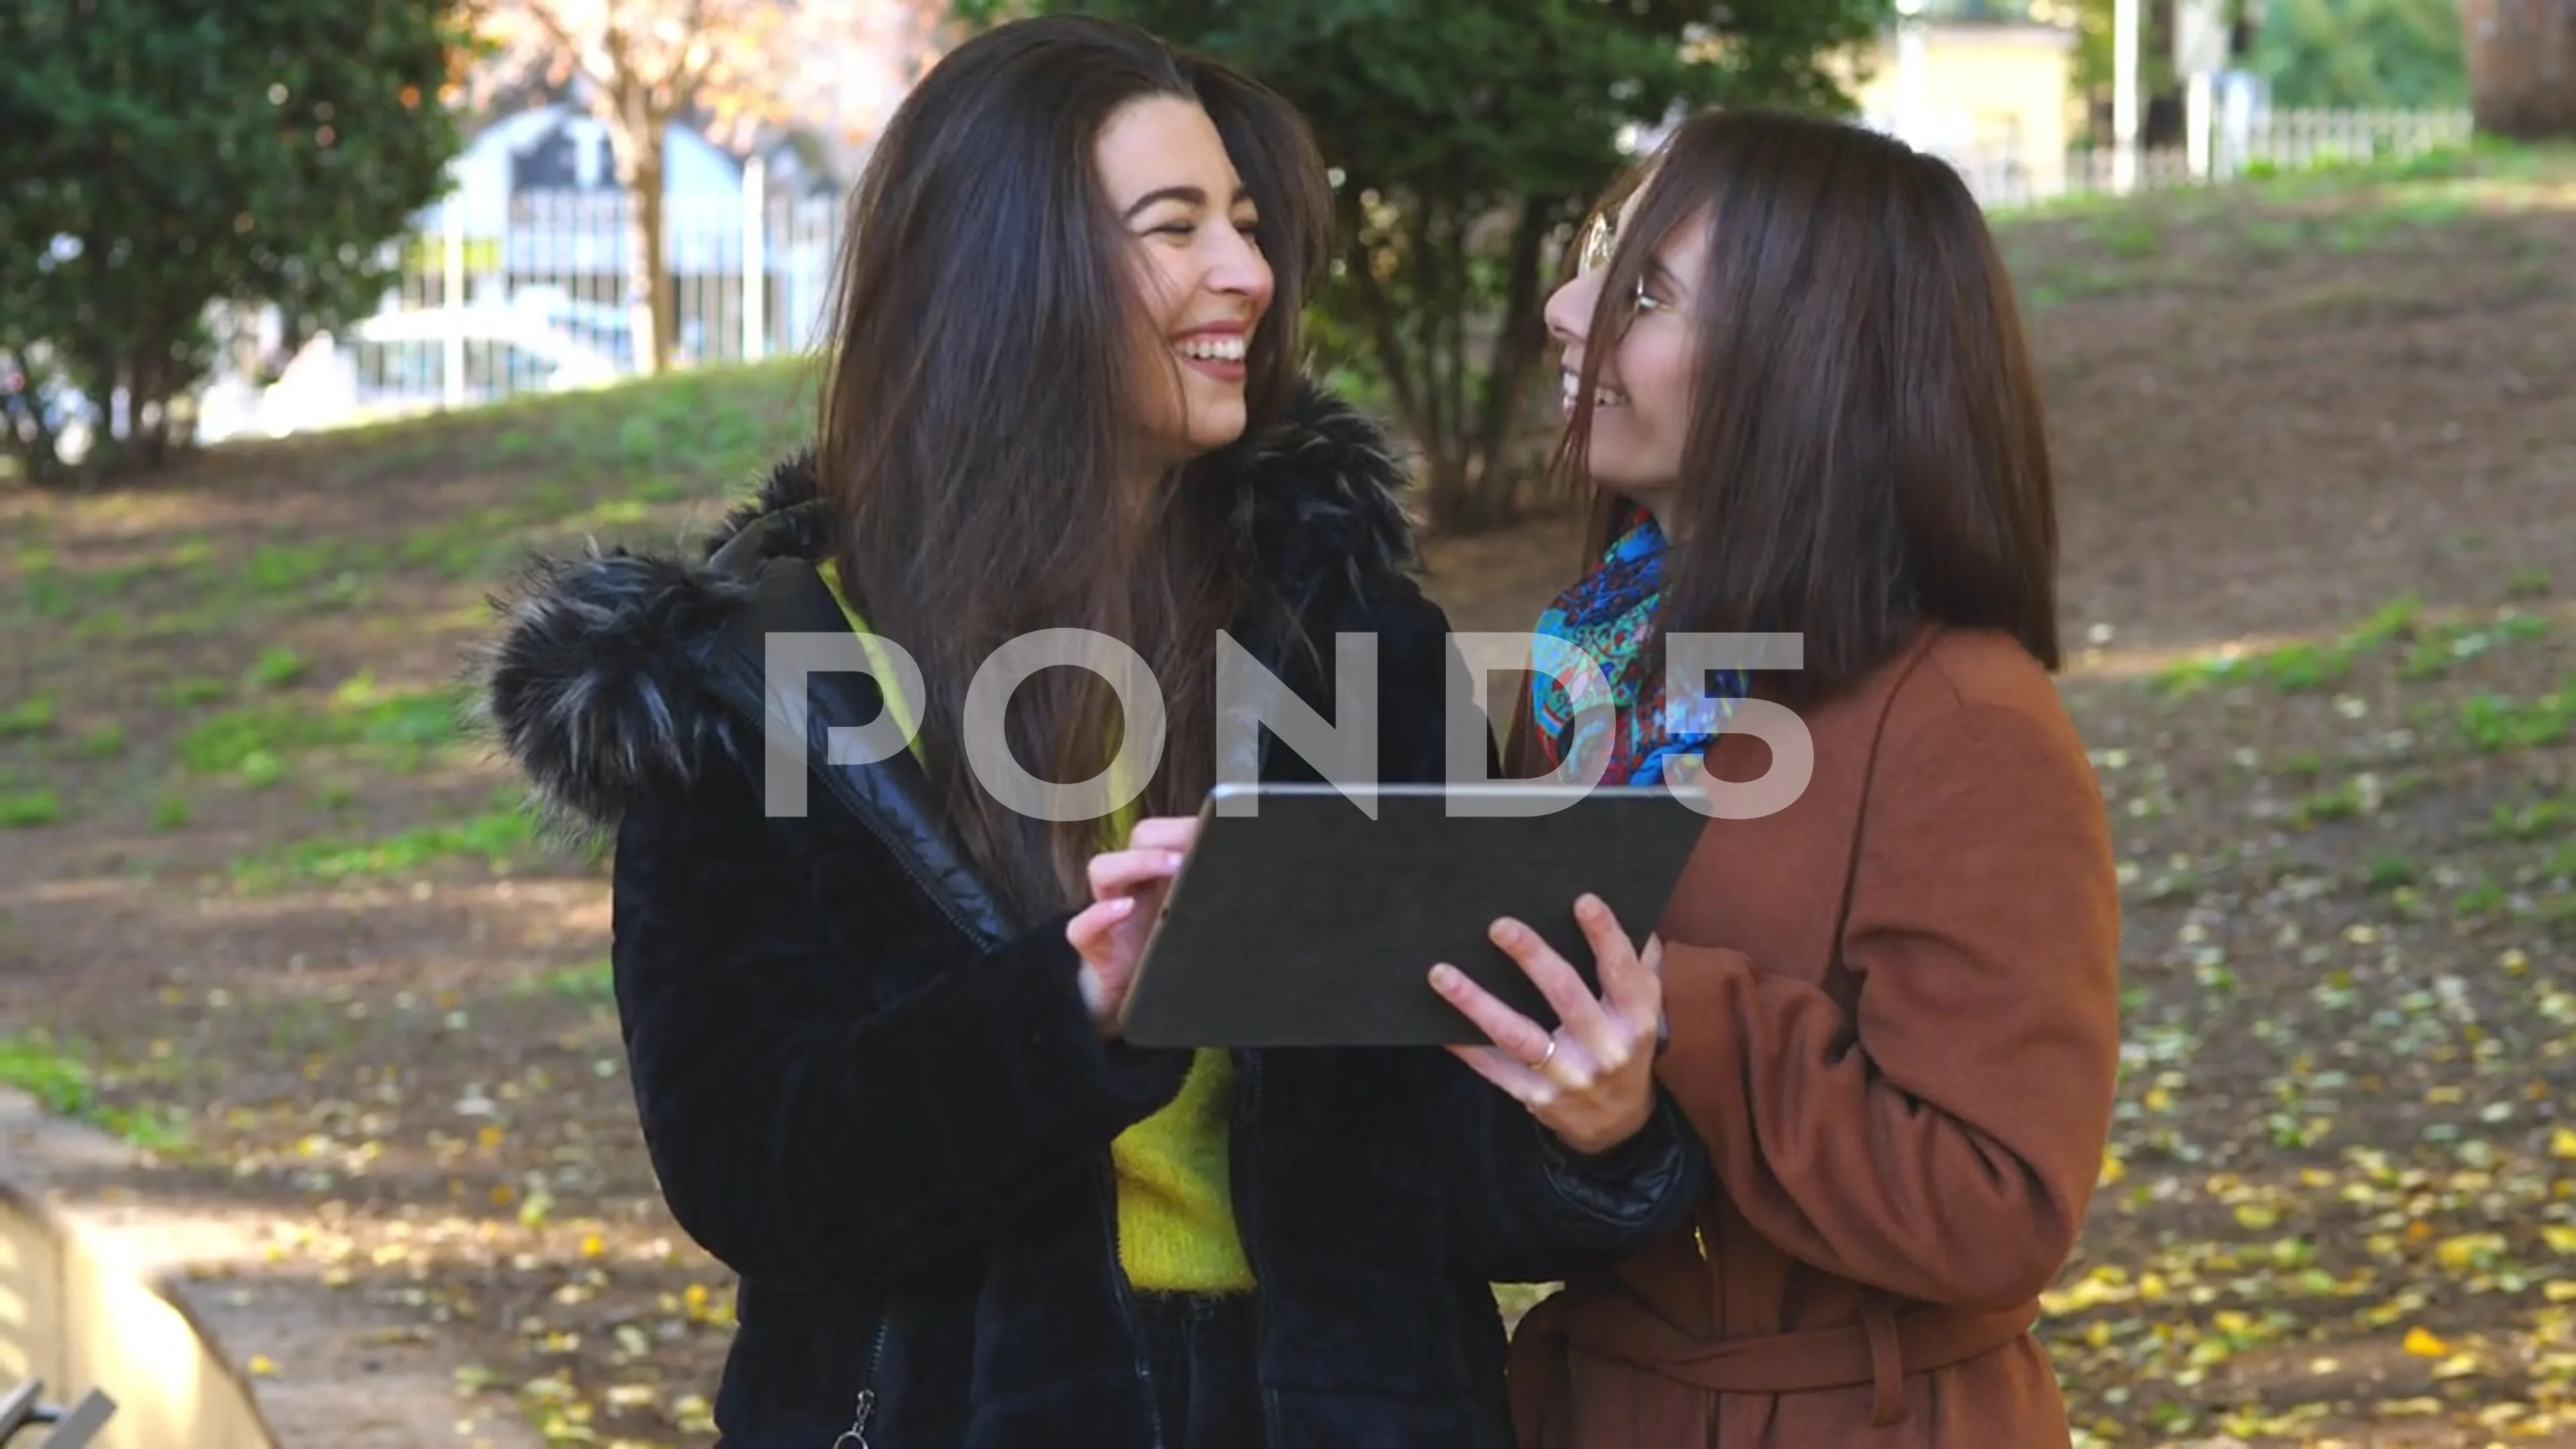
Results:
1241 270
1569 311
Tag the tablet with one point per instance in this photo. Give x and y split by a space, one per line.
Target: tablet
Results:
1309 924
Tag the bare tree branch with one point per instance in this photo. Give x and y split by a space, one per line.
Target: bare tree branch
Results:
649 63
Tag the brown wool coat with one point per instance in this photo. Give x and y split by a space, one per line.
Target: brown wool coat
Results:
1894 1014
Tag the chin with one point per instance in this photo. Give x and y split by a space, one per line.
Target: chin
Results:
1217 427
1614 474
1639 486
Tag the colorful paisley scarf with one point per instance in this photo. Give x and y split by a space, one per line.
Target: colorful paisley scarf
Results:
1610 614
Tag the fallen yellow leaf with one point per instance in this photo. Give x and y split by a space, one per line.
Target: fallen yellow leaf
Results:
2458 1365
2421 1343
2464 1251
261 1365
2258 1218
2562 1143
2558 1290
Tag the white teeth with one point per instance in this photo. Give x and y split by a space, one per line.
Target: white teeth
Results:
1216 349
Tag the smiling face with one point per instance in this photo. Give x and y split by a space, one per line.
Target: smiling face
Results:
1200 278
1641 410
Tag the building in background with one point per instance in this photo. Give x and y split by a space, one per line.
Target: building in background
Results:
534 235
1986 84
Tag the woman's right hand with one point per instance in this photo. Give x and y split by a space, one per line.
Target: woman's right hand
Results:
1127 891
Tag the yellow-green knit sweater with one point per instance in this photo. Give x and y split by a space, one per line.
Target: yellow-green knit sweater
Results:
1176 1230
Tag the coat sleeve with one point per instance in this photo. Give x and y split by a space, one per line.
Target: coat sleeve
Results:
1943 1142
797 1128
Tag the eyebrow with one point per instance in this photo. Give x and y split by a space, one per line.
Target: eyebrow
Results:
1186 195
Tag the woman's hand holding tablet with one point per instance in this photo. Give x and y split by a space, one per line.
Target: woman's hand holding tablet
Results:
1127 891
1592 1081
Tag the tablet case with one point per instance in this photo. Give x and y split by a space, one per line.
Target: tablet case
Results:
1313 925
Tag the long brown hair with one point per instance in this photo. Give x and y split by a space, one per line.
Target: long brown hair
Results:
978 433
1866 453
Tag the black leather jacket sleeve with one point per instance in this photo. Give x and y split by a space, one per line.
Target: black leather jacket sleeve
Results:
1525 1208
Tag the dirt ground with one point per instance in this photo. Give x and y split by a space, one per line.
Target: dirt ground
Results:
269 913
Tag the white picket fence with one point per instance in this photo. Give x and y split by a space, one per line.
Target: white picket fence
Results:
541 304
2281 140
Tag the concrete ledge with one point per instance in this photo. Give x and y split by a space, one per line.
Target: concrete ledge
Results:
80 1308
162 1300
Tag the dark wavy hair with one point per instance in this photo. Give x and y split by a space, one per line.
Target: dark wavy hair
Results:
1867 453
979 430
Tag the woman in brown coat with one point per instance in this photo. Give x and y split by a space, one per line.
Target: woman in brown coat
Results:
1795 374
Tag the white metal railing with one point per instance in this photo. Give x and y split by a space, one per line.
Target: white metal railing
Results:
538 302
2306 138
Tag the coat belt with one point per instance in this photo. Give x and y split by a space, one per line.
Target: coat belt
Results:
1879 1350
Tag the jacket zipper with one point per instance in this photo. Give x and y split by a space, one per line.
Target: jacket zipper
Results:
1248 1226
856 1436
1108 1198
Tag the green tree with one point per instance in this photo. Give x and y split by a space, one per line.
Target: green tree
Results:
166 156
1467 137
2375 53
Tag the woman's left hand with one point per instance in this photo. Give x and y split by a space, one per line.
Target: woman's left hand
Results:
1592 1081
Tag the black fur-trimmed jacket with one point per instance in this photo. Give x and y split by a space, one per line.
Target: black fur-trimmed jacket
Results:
883 1104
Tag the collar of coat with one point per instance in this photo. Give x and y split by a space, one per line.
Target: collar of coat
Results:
616 672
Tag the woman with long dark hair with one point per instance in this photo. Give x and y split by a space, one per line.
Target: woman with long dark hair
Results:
871 996
1795 375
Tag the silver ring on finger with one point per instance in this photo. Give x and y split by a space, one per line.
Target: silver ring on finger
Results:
1547 1056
